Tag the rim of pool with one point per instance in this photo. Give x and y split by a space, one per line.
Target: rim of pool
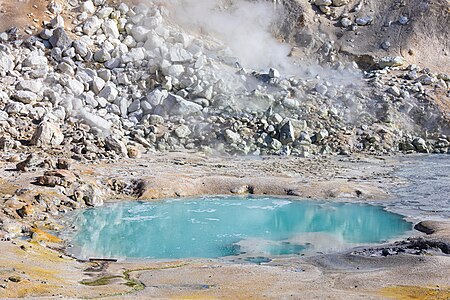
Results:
269 226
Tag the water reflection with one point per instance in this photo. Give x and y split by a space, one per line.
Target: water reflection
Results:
214 227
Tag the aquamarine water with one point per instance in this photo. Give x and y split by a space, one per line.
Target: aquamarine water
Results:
223 226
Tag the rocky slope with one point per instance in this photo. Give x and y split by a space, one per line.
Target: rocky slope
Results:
126 78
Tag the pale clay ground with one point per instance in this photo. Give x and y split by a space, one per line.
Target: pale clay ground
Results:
340 276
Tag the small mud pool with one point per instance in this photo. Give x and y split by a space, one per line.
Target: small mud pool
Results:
223 226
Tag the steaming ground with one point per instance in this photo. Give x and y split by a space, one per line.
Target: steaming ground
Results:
246 29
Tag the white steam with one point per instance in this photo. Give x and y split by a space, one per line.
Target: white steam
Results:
244 26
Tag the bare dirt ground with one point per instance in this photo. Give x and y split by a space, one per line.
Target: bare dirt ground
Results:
423 40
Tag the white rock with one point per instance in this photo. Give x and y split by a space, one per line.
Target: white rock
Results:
153 22
65 68
105 12
274 73
47 134
75 86
30 85
129 41
88 7
91 25
97 85
390 61
178 106
95 121
122 78
179 55
139 33
26 97
153 41
175 70
123 8
110 29
232 137
135 54
346 22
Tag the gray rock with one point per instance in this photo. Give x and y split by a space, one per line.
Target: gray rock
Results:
274 73
323 2
114 144
109 92
395 91
155 120
385 45
319 136
101 56
420 145
60 39
403 20
134 106
321 89
57 21
182 131
287 134
363 21
113 63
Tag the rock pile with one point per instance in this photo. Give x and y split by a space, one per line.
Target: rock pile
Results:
126 79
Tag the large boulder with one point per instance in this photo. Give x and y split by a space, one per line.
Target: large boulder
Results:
177 105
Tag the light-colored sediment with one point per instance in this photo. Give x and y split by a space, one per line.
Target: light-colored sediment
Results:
44 272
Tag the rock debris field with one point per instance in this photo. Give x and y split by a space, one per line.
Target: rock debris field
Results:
127 79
